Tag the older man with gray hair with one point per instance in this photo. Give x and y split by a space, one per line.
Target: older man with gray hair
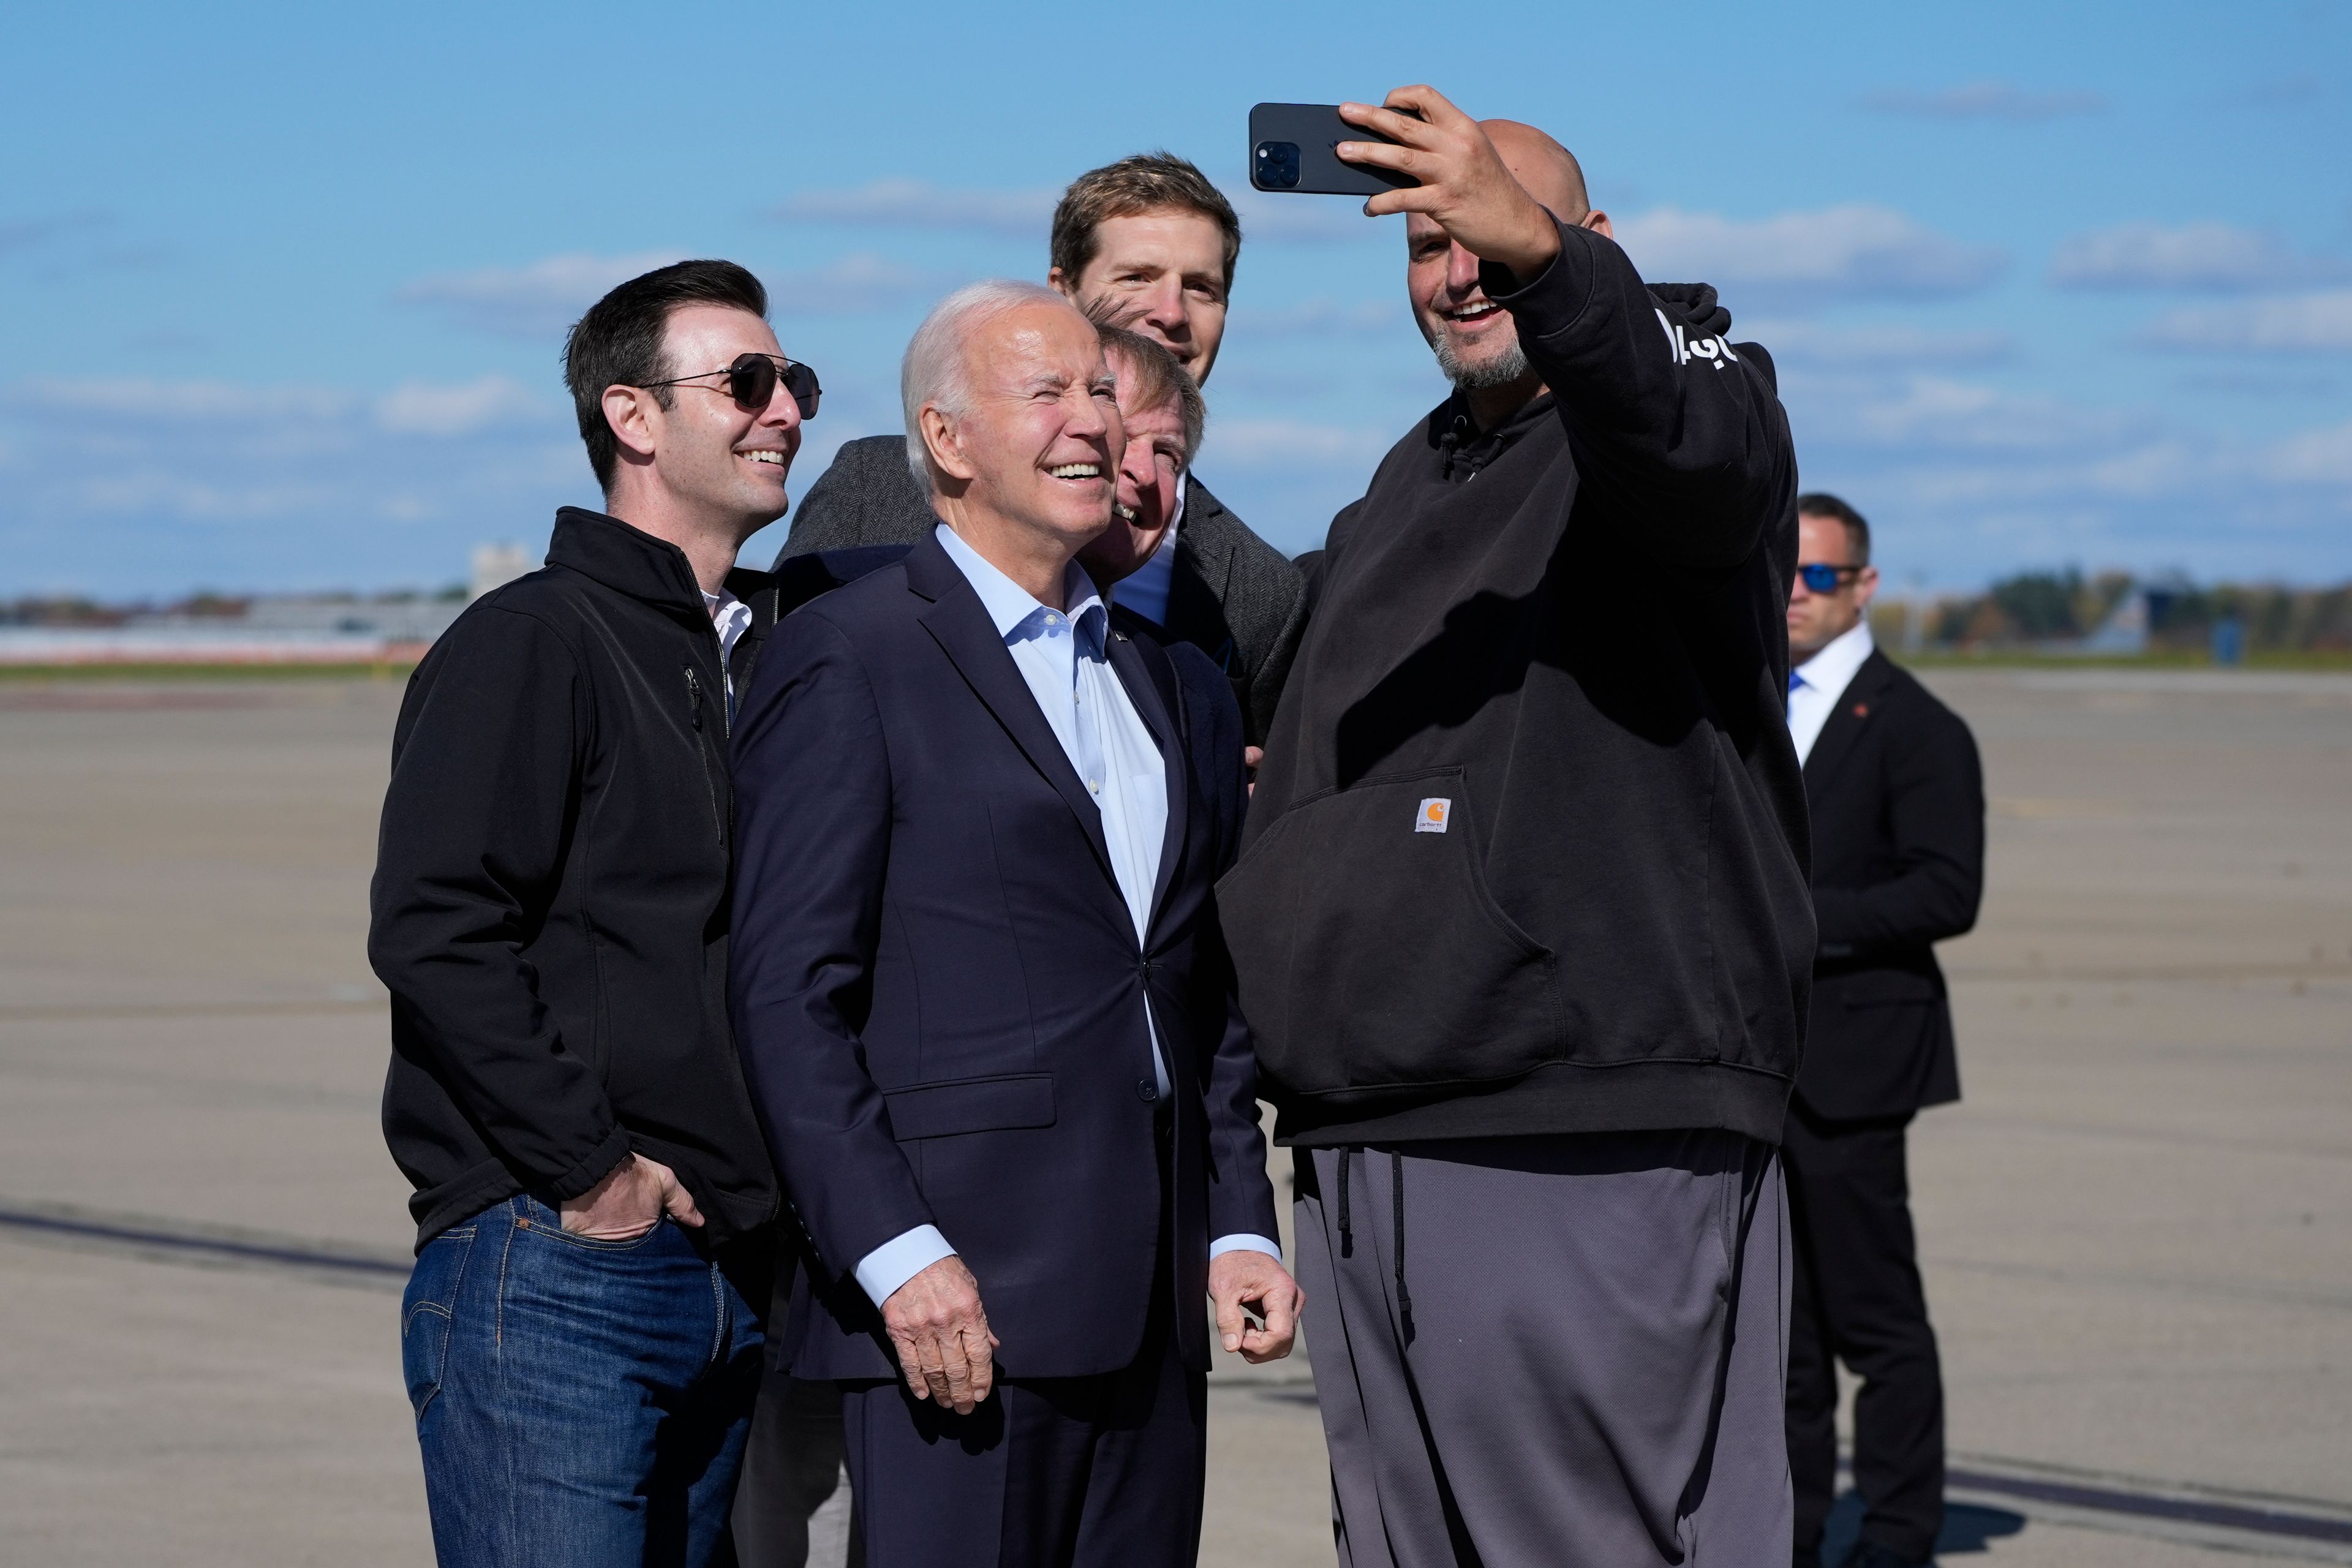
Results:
984 1004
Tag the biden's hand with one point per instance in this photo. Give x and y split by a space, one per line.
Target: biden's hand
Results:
1465 187
941 1332
1246 1278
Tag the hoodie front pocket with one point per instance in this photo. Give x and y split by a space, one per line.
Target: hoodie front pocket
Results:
1371 953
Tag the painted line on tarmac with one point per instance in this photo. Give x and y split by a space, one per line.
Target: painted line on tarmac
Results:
2251 1518
178 1243
291 1007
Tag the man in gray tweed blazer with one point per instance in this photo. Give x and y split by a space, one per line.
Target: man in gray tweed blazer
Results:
1149 244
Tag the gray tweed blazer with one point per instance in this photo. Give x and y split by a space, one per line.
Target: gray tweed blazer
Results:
1234 597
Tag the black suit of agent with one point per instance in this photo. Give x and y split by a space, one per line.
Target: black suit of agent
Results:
1897 800
1232 595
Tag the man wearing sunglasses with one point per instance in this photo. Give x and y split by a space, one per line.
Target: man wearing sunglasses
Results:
594 1203
1898 864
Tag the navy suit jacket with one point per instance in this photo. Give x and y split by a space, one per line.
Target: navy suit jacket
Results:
937 991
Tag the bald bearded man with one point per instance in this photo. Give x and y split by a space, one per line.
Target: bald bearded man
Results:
1521 916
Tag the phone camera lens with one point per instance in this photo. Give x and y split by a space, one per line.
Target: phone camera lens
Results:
1277 165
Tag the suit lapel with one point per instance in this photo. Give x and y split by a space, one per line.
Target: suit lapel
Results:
1847 723
960 624
1196 589
1151 687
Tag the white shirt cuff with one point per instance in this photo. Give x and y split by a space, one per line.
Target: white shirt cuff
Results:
1242 1242
900 1259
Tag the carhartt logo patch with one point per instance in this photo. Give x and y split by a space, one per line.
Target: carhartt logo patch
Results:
1432 816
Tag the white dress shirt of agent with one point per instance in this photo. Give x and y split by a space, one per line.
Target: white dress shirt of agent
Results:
1012 412
1521 916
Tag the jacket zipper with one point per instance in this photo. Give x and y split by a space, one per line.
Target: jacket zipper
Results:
702 749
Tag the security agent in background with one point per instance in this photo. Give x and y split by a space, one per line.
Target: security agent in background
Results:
1898 863
1147 244
1521 917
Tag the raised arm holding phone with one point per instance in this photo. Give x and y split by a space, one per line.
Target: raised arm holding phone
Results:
1521 918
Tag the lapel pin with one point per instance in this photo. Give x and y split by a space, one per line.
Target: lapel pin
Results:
1862 709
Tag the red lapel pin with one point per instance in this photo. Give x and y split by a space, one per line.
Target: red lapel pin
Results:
1862 709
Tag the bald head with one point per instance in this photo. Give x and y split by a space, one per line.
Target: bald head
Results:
1477 345
1549 171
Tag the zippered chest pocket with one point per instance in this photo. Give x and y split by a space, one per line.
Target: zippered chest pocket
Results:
710 731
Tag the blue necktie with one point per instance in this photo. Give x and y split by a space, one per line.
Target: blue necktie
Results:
1795 680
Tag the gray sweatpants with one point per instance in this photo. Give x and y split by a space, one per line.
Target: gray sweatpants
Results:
1577 1356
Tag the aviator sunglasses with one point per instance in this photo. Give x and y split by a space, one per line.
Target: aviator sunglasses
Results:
1820 578
752 381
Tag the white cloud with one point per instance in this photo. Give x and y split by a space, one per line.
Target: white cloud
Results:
28 234
918 204
2206 256
2321 457
1984 100
1029 214
2300 87
485 402
1895 343
1850 251
1320 318
1292 444
859 281
2313 323
1308 219
123 398
133 486
1925 412
535 301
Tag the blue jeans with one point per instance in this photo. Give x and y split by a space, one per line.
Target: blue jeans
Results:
580 1403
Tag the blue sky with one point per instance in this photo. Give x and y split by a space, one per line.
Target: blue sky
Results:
282 289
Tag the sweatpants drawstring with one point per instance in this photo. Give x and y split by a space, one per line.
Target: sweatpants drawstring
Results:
1404 1297
1347 1236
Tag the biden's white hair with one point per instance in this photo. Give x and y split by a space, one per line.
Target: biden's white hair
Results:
934 371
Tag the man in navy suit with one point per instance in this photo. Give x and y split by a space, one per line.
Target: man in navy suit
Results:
985 1007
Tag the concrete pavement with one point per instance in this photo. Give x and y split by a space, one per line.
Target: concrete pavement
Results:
2137 1227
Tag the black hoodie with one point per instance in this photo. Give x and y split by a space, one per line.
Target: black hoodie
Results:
1528 852
551 895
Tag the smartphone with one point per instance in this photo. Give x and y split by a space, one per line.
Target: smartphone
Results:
1290 149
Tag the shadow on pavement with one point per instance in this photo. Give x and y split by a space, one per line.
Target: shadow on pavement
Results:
1966 1526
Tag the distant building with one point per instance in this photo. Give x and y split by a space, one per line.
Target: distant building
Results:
496 565
2126 630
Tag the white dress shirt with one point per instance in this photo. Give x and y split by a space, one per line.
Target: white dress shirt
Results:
730 617
1061 654
1815 686
1145 590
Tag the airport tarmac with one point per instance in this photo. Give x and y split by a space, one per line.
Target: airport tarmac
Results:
2137 1227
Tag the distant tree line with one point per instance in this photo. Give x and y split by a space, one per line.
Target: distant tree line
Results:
2046 608
75 610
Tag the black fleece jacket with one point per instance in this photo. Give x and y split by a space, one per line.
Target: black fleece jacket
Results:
1527 851
550 895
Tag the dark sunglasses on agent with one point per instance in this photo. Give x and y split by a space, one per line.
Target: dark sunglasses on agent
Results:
1822 578
752 381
